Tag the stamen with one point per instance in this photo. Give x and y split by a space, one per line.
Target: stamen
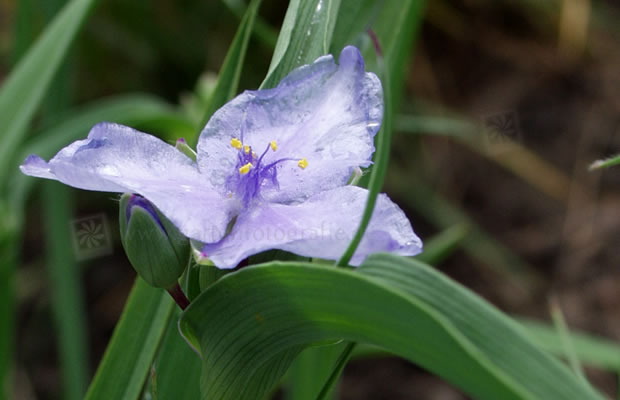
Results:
274 145
246 149
236 143
303 163
245 169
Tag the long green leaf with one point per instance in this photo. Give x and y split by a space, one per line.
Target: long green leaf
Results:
9 240
354 19
132 109
63 272
310 369
127 361
397 50
305 35
564 335
591 350
501 339
397 28
249 317
228 79
19 98
395 24
66 290
24 89
396 34
594 351
262 30
176 370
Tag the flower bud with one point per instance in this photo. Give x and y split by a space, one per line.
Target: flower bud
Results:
157 250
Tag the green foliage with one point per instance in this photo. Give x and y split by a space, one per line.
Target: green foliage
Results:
250 326
591 350
67 295
24 89
176 370
305 35
310 368
138 334
250 317
20 96
606 163
228 80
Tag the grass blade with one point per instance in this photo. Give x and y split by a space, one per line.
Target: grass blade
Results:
127 361
305 35
25 87
339 365
605 163
67 302
176 370
311 368
228 80
591 350
66 293
564 334
263 31
594 351
9 241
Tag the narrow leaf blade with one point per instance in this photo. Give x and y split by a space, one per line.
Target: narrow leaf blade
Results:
24 89
251 316
127 360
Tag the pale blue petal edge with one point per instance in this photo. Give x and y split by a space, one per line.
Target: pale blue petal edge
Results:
321 227
116 158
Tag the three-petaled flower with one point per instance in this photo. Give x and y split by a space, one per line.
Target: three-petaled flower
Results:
271 171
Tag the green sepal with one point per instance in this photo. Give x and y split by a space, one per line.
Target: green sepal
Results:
158 255
184 148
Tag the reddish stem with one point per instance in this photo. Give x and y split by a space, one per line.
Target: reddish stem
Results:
179 297
375 42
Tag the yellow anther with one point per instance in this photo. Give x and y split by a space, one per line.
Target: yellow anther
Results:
245 169
303 163
274 145
254 155
246 149
236 143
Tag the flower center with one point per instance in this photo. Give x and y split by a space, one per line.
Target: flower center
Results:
253 171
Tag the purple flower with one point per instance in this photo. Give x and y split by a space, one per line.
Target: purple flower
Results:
271 171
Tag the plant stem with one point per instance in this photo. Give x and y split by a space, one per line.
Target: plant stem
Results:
343 359
179 296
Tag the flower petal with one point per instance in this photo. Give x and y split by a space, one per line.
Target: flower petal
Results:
321 227
115 158
323 112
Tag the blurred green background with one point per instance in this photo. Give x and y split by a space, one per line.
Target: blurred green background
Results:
505 104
